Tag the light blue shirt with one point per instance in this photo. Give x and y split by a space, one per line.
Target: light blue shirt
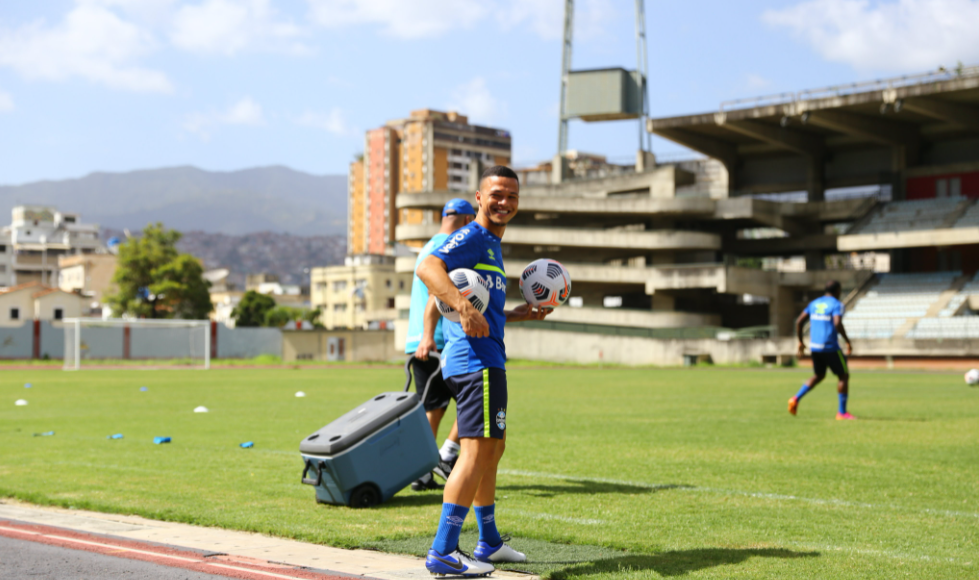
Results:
419 299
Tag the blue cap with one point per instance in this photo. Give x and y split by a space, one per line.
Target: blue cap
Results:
458 206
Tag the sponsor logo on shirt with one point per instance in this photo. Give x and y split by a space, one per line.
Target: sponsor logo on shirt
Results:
453 242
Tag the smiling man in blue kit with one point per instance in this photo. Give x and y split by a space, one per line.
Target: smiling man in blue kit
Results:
474 369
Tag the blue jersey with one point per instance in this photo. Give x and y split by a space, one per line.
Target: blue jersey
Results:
822 332
474 247
419 299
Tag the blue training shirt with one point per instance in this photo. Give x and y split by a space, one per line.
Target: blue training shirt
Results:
474 247
822 333
419 299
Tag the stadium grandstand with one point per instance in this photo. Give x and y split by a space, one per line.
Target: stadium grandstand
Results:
874 184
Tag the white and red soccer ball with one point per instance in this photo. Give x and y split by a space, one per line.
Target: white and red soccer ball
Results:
472 286
545 284
972 377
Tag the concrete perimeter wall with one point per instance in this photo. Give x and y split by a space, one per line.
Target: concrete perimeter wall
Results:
161 343
573 347
248 342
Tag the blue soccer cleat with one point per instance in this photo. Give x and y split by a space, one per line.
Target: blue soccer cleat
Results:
502 553
455 563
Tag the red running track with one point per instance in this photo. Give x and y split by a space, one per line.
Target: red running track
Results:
217 564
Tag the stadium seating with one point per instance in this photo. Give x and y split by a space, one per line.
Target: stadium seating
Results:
893 301
921 214
954 327
948 323
970 219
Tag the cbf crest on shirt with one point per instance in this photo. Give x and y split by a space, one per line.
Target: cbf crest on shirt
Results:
474 247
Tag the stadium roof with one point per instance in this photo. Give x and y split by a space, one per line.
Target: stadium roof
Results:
878 132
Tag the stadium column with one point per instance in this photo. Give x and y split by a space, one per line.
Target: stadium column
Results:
816 182
781 312
36 347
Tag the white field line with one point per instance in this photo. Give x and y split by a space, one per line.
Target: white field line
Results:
761 495
883 553
540 516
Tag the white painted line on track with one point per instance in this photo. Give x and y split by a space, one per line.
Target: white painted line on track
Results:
252 571
25 532
760 495
116 548
121 548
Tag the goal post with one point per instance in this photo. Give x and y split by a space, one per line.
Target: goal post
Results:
95 339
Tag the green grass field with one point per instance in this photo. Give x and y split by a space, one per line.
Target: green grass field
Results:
624 473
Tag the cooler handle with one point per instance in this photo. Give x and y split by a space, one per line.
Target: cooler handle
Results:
408 373
319 474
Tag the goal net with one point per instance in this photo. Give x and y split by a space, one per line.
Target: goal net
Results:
174 342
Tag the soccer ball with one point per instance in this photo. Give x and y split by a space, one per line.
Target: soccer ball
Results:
545 283
972 377
472 286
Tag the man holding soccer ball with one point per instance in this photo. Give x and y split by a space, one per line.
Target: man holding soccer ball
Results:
473 366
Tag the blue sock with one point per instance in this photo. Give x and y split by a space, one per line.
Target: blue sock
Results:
486 519
843 398
802 392
450 526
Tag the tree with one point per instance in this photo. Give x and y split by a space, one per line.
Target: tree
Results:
252 309
281 315
155 280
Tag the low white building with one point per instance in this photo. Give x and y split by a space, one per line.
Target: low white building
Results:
36 238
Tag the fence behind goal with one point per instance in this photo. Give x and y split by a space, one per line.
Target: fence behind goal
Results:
149 340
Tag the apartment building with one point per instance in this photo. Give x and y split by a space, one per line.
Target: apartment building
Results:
426 152
36 238
359 294
87 274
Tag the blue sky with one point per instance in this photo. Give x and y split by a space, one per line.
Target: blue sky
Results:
117 85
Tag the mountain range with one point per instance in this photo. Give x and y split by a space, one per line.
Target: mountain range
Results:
263 199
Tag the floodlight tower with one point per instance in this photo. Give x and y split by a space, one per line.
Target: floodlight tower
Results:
608 94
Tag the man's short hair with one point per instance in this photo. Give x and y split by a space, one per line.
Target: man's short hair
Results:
499 171
833 287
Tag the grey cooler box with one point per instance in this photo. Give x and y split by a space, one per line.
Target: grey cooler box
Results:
373 452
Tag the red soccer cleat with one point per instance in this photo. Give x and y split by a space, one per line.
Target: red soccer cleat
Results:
844 417
793 405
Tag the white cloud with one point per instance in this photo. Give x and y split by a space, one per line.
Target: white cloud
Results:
546 17
756 82
6 102
400 18
431 18
92 43
230 26
905 35
474 100
244 112
334 122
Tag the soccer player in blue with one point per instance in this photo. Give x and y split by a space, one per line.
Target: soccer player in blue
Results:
473 366
825 316
425 336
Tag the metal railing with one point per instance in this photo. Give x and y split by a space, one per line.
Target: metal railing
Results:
942 74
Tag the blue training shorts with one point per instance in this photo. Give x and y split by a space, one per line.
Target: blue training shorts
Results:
481 399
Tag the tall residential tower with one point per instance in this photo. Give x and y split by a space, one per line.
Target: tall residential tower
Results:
429 151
